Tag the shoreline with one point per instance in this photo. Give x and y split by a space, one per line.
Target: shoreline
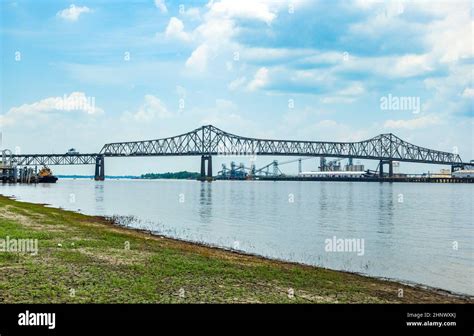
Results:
283 261
306 289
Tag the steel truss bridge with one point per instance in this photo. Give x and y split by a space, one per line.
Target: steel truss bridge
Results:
208 141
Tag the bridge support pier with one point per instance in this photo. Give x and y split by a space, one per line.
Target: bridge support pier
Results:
205 176
390 167
99 168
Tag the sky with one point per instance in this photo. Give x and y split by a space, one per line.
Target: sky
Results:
84 73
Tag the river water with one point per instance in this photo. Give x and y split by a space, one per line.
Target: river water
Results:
415 232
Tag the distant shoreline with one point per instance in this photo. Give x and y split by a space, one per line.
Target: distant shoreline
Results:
182 175
92 177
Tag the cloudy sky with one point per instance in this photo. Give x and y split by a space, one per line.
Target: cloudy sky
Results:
90 72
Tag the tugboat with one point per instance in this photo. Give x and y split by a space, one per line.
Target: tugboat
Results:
45 175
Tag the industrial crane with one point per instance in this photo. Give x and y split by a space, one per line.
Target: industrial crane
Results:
276 165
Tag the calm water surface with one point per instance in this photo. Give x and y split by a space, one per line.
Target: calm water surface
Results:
409 230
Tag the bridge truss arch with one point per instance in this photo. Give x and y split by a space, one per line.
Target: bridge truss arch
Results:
210 140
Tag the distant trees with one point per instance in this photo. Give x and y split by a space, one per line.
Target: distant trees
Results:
182 175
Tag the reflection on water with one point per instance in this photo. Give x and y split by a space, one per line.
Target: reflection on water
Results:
99 192
408 229
205 202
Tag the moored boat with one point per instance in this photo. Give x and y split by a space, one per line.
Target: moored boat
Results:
45 175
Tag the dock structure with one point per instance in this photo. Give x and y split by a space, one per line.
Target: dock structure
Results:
14 174
8 168
412 179
10 172
27 175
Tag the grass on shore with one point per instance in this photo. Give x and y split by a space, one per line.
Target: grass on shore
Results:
84 259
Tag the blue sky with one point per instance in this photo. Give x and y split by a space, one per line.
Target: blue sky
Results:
278 69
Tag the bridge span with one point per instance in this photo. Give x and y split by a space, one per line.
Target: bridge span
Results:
208 141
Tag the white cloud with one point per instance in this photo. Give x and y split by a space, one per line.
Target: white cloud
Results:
450 36
153 108
237 83
199 58
411 65
447 35
160 4
355 89
244 9
412 124
216 30
192 13
347 95
175 30
212 37
276 55
386 15
366 4
468 92
73 12
283 79
260 79
43 109
219 26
